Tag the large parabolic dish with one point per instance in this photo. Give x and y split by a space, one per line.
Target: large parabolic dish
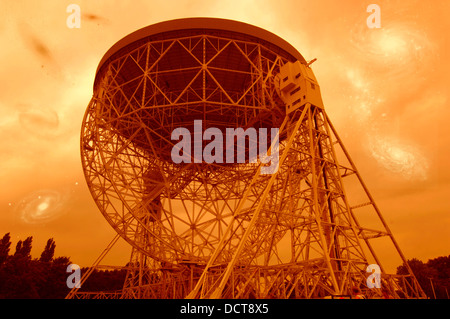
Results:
160 78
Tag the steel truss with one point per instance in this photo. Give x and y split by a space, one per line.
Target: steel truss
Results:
201 230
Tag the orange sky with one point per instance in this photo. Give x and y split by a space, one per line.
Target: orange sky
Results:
386 91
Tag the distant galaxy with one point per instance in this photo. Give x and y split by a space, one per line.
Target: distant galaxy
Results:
399 157
402 53
399 55
42 206
398 47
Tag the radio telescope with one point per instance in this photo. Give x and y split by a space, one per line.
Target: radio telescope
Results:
224 229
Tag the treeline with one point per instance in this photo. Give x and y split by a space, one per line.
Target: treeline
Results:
45 277
433 276
24 277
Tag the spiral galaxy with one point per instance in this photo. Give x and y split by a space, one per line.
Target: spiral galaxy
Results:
399 48
42 206
399 157
403 54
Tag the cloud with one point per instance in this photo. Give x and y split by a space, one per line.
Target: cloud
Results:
34 43
41 122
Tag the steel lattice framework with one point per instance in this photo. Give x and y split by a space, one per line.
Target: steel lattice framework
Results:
223 230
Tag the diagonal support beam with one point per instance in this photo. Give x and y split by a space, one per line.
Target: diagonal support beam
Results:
218 292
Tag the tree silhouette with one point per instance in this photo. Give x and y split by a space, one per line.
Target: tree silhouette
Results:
441 280
23 249
433 276
49 251
54 285
16 278
104 280
24 277
442 266
5 244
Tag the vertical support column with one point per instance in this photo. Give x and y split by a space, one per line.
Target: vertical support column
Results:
318 203
325 201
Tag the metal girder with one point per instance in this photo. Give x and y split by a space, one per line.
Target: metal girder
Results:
203 230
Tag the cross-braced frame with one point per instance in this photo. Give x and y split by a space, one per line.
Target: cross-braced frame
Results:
224 230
